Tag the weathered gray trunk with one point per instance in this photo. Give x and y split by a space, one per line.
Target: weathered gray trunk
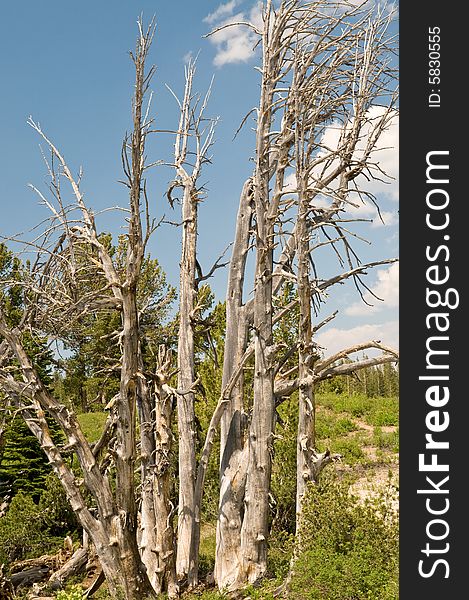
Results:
254 530
228 559
125 574
306 352
186 562
157 544
236 329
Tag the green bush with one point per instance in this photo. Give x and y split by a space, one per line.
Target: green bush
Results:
350 448
385 412
29 529
347 550
57 514
386 440
330 426
281 545
284 468
22 533
73 593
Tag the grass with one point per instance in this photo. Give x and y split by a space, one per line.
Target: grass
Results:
379 411
207 549
92 424
330 426
349 424
385 440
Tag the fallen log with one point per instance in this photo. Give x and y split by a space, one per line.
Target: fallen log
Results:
27 577
53 561
75 565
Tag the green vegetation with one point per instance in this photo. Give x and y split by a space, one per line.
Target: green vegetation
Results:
23 464
372 410
92 424
73 593
24 532
347 549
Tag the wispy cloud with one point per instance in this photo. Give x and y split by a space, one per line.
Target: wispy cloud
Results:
234 44
384 163
367 210
222 11
386 287
335 339
188 56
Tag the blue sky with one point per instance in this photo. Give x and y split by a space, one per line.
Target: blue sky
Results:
67 64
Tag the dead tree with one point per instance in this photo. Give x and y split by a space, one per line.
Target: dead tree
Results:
71 256
322 66
194 138
156 540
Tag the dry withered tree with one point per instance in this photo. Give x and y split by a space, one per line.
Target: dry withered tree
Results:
324 67
74 275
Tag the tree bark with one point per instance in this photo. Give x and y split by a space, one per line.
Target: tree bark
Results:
254 530
157 544
186 562
307 354
228 535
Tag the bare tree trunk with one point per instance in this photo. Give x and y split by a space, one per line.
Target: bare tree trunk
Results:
306 353
236 329
157 544
232 460
193 136
229 557
254 530
185 564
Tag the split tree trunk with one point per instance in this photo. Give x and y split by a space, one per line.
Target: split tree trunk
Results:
157 544
233 467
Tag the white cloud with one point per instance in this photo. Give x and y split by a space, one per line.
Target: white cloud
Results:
188 56
385 188
234 44
334 339
223 10
386 287
289 183
389 218
385 156
367 210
